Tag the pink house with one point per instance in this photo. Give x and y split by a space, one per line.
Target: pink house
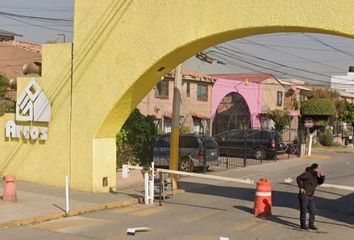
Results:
246 93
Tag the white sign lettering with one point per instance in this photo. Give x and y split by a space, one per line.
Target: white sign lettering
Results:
31 106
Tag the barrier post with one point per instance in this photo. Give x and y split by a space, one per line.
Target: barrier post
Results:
67 195
146 187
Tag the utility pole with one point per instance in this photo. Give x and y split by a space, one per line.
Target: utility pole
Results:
174 153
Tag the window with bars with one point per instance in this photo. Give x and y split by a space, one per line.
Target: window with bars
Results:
188 90
202 92
162 89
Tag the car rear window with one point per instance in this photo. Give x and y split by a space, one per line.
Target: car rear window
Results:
211 144
163 141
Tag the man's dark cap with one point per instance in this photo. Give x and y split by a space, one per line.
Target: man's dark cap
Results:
314 166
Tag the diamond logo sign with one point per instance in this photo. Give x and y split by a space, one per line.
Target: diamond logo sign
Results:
31 106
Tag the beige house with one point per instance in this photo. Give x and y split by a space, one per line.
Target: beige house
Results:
296 92
195 102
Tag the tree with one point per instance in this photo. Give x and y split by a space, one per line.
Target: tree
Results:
137 138
323 106
3 85
4 107
318 107
348 113
329 95
281 118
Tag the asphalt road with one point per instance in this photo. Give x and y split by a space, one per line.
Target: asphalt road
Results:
212 209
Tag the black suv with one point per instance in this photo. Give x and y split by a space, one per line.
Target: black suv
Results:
254 143
191 151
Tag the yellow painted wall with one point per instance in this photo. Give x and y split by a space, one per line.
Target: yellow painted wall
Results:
122 48
45 163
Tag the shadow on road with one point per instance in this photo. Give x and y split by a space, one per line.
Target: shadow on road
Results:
272 218
341 209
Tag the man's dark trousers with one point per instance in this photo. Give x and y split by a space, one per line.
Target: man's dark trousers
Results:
307 202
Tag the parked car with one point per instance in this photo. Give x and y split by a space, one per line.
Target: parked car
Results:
254 143
191 151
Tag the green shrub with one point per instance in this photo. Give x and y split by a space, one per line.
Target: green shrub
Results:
326 138
318 107
281 118
3 85
135 142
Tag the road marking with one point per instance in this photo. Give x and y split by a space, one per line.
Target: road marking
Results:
337 186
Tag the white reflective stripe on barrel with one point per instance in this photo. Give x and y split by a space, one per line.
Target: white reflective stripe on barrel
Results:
263 194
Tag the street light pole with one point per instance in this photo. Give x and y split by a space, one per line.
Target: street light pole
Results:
174 153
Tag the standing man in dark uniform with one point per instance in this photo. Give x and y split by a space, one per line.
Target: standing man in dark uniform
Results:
307 182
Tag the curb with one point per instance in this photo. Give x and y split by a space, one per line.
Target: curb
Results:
314 157
333 151
74 212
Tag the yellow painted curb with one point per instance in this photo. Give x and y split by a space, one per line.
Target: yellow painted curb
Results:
179 191
75 212
317 157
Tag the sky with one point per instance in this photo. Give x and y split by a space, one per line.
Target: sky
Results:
34 30
310 57
306 56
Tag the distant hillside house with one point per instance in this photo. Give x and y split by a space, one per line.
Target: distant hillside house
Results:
7 36
14 54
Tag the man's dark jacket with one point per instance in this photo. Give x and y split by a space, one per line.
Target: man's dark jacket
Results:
309 180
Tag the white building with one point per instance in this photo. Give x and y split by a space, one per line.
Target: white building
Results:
343 83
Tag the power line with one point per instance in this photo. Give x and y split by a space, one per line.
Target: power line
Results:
273 62
290 54
268 68
291 47
328 45
37 25
34 17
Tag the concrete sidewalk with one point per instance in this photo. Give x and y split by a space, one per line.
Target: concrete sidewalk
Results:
38 203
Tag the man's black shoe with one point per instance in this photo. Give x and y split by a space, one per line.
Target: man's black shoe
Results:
304 227
313 227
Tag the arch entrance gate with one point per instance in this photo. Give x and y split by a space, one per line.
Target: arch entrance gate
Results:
121 50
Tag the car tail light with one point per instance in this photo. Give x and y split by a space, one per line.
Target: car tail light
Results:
273 143
200 153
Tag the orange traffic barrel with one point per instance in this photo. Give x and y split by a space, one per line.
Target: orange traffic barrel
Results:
263 199
9 189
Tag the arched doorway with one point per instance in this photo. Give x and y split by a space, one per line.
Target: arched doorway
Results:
232 113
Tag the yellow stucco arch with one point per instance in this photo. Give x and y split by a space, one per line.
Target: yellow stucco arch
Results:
123 47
